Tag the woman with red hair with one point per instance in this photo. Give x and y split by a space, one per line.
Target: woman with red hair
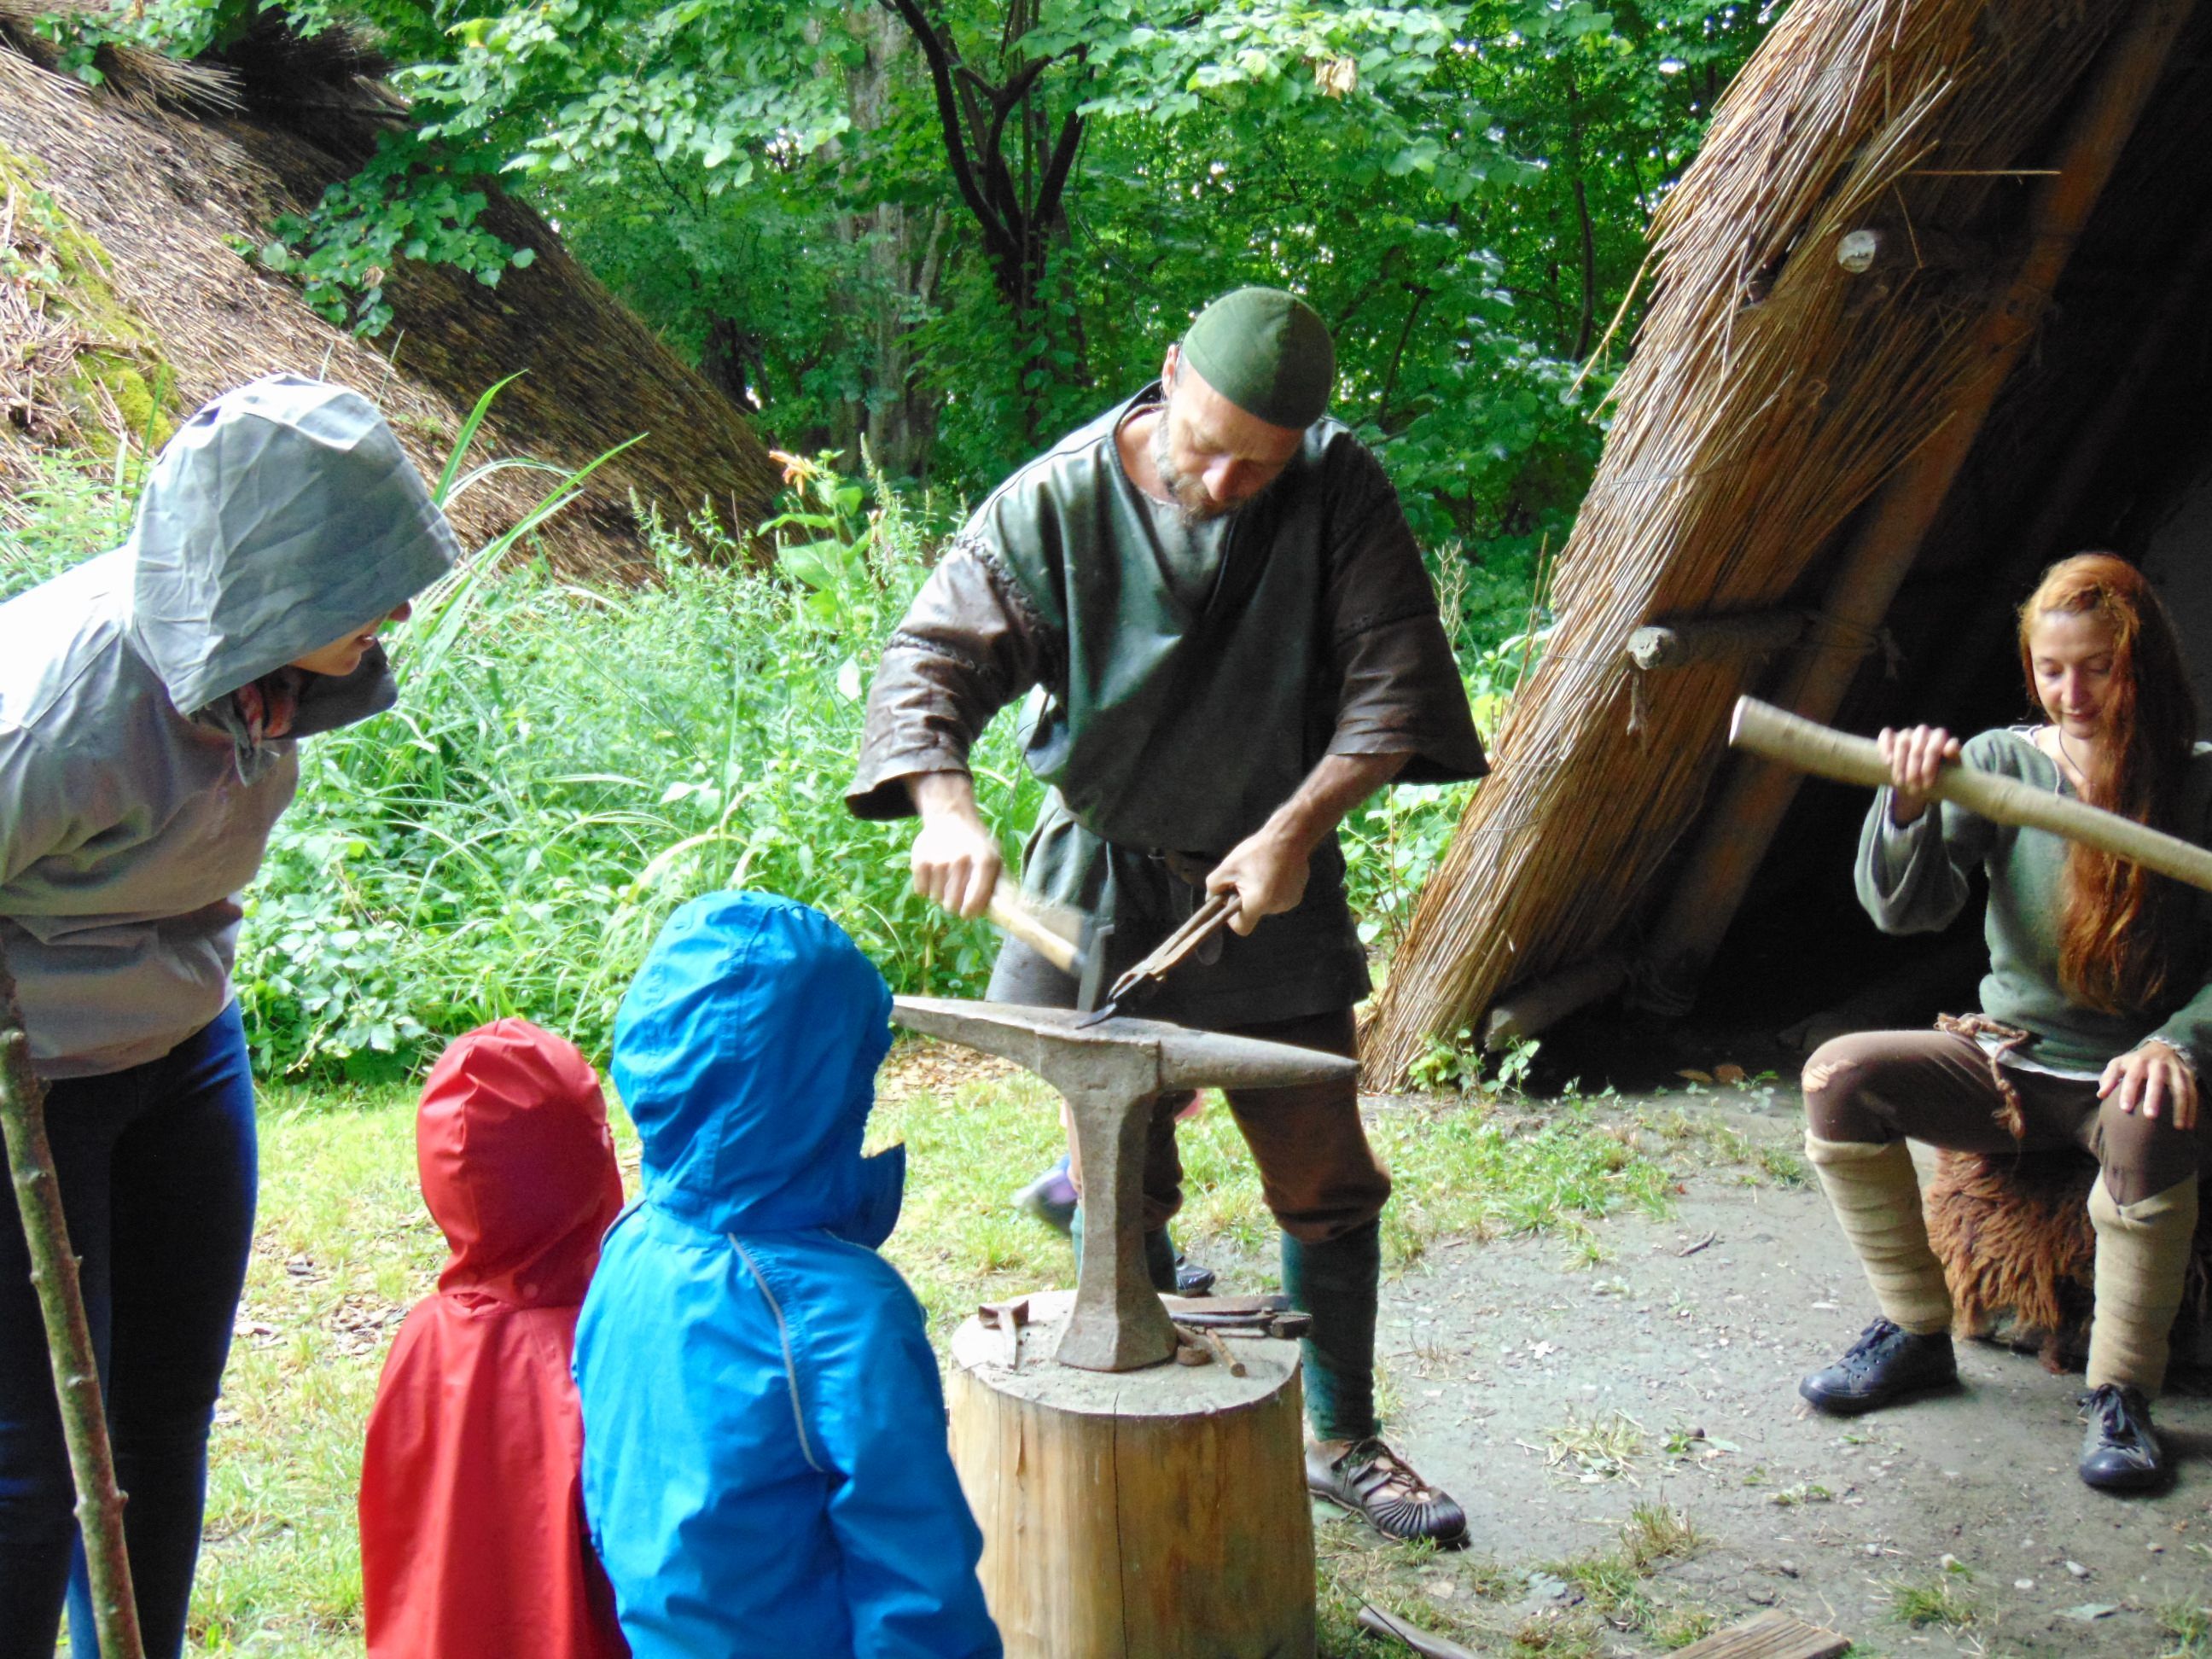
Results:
2096 1012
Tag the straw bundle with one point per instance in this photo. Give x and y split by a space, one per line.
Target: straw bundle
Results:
1766 402
167 165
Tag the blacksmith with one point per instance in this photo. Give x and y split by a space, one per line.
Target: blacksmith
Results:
1218 592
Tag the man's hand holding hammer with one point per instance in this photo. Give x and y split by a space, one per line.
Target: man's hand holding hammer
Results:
956 859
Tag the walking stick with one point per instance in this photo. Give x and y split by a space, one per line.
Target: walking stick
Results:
69 1337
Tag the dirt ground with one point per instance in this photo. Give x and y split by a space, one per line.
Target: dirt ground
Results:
1553 1397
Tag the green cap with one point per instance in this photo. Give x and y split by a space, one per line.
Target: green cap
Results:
1267 352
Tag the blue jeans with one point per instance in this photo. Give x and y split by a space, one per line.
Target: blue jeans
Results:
158 1170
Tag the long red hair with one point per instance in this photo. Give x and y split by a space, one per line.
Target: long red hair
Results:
2120 929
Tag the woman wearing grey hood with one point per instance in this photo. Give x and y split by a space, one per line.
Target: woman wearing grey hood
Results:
151 701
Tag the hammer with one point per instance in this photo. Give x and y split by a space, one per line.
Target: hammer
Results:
1074 942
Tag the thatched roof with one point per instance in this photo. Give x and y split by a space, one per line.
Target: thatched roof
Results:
1781 414
166 164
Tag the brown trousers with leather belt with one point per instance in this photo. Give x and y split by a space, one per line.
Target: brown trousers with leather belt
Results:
1320 1177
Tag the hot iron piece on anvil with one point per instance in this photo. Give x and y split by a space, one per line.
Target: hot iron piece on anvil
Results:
1110 1072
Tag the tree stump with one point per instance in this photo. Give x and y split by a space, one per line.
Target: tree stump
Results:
1155 1513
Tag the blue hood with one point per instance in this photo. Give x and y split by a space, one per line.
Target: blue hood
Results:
746 1052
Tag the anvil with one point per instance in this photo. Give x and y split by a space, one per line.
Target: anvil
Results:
1111 1073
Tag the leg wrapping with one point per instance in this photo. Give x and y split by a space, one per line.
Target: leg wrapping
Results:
2142 1257
1876 1198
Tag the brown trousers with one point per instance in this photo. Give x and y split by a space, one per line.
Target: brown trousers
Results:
1938 1087
1320 1177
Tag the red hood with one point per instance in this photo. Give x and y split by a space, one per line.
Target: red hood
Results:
517 1166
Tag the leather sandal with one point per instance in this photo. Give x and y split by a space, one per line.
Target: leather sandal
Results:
1369 1479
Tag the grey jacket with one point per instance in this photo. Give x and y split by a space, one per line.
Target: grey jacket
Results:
133 807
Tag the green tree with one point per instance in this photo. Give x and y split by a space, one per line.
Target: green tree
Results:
951 228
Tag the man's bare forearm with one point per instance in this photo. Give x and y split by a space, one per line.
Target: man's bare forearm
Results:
1268 867
943 794
1332 789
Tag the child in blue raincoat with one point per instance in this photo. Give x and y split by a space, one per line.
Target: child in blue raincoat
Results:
765 1469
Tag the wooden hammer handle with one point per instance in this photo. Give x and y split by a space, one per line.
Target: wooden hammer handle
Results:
1779 736
1013 917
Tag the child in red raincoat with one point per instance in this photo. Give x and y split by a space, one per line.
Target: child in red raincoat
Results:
472 1539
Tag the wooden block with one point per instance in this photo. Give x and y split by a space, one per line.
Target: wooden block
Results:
1153 1513
1768 1636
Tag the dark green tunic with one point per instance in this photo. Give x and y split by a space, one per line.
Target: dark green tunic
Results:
1192 679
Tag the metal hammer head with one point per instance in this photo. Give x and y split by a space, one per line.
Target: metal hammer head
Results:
1110 1074
1091 983
1072 940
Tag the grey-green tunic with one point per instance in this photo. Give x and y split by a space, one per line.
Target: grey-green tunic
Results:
1915 880
1192 679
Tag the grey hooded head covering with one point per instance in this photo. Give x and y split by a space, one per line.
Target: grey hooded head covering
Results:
135 805
282 514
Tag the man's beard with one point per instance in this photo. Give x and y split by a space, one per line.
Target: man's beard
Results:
1192 506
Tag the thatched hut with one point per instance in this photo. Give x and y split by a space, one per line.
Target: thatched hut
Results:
133 199
1929 312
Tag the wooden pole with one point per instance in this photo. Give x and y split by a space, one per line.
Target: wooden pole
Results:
1762 729
1696 640
1536 1006
1741 827
68 1335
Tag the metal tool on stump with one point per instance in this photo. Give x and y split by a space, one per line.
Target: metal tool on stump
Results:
1110 1074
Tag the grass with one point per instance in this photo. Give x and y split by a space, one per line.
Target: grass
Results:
1944 1601
1616 1591
2189 1627
344 1246
1478 1172
1600 1449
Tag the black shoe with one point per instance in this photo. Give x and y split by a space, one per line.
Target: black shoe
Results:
1171 1272
1191 1279
2121 1452
1370 1480
1885 1365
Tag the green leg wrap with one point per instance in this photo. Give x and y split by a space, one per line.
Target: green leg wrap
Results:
1336 1284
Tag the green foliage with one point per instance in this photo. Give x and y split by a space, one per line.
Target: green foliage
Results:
405 204
1462 189
183 29
62 511
1457 1064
